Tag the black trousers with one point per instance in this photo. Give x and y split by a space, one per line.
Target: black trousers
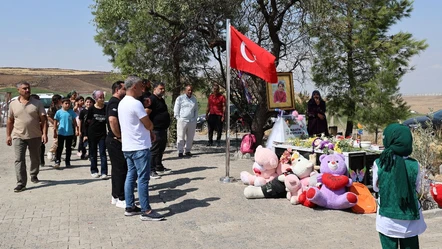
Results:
61 140
42 154
157 150
81 147
215 124
119 167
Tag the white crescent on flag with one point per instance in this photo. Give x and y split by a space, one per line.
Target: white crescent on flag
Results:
244 55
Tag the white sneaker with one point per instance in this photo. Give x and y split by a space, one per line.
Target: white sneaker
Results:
95 175
121 204
104 177
79 154
49 155
114 200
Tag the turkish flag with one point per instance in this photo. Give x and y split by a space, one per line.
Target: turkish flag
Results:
247 56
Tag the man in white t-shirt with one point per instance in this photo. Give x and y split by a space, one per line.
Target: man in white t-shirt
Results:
136 130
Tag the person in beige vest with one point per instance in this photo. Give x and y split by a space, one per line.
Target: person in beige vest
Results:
26 128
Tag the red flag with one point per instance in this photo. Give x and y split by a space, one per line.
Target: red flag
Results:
247 56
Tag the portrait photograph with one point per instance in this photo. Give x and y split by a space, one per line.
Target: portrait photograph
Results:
280 95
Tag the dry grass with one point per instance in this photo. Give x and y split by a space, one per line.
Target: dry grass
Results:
423 104
44 71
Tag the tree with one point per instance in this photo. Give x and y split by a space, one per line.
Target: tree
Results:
357 61
161 39
166 39
276 26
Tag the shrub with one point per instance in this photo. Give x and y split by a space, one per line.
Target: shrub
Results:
425 150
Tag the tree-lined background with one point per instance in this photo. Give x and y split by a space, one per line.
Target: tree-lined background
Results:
344 46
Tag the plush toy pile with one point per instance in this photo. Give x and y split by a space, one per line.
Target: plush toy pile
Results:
293 177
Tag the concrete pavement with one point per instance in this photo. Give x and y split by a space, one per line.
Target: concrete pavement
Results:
69 209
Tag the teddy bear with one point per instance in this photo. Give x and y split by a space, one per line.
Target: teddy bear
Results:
288 184
303 169
264 168
333 176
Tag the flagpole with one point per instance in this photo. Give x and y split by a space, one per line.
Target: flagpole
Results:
227 178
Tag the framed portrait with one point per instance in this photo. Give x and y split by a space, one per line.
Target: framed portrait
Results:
281 95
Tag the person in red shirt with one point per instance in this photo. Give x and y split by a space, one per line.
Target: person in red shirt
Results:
216 109
280 96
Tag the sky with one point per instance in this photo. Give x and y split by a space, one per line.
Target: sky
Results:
60 34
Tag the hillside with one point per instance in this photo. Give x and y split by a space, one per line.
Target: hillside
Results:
65 80
56 80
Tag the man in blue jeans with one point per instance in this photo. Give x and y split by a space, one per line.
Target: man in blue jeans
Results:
136 128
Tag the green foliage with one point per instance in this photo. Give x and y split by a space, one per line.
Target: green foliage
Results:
358 62
14 91
167 40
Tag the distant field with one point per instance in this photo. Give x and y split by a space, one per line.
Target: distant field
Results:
44 71
62 81
423 104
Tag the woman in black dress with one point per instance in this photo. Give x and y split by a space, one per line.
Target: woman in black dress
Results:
317 121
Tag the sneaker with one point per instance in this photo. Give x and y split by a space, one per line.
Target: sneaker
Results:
114 200
188 154
19 188
121 204
34 179
95 175
57 165
104 177
180 155
153 215
154 175
164 171
49 155
132 211
68 164
79 154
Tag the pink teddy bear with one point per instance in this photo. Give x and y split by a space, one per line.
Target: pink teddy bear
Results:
264 168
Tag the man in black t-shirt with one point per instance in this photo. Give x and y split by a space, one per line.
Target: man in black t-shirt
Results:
146 93
160 117
113 145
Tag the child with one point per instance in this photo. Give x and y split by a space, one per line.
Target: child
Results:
79 103
53 108
64 130
399 218
87 104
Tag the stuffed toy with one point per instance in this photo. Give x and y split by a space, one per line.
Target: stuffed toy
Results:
333 176
322 143
264 168
278 186
436 192
304 170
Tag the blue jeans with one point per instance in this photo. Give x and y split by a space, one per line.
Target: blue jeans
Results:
138 165
101 144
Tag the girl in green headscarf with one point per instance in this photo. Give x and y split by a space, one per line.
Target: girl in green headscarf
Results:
399 218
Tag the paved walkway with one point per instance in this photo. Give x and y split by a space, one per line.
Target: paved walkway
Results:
69 209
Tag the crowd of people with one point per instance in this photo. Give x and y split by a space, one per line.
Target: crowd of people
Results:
132 128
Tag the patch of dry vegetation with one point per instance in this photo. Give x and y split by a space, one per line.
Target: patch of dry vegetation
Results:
44 71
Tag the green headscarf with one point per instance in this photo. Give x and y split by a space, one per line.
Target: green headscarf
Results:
398 141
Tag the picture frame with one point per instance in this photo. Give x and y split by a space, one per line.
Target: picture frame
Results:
281 97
